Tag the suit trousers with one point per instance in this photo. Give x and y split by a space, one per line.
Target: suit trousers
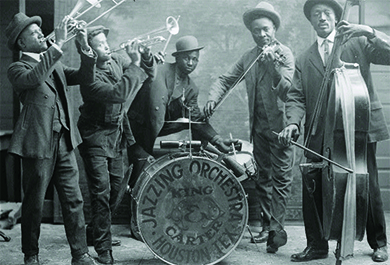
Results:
312 203
273 184
104 175
63 171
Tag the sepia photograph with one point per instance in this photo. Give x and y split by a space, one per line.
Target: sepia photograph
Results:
194 132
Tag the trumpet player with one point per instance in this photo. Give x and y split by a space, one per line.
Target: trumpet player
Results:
105 129
44 135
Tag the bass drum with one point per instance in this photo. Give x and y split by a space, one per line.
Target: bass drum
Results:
190 210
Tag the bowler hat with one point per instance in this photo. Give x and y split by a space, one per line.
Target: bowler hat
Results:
263 9
338 9
18 23
186 44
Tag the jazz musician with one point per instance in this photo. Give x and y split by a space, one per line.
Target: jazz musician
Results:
364 46
267 83
169 97
45 135
105 129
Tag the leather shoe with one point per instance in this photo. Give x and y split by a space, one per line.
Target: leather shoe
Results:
84 259
105 257
276 239
31 260
380 254
310 253
261 238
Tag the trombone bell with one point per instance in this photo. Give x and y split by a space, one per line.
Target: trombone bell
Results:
95 3
81 3
74 14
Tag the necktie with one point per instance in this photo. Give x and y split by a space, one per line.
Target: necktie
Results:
326 51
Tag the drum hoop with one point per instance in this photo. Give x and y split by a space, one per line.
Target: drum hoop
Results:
165 159
242 152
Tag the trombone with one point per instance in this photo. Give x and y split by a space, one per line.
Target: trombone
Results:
145 40
75 14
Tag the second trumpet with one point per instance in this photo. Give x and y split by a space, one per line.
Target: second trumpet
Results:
145 40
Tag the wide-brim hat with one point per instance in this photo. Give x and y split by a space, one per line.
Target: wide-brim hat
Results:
187 44
18 23
338 9
263 9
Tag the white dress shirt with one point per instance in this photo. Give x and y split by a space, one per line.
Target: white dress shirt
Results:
320 41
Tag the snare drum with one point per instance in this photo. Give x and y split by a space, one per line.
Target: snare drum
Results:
190 210
245 159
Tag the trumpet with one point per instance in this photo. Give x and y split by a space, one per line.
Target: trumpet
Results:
144 43
75 24
145 40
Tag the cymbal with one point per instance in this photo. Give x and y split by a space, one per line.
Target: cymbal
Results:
185 120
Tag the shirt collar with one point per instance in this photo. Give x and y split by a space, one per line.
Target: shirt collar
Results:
330 38
35 56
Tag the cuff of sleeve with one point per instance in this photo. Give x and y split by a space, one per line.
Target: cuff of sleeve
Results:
215 139
148 62
88 51
57 48
372 35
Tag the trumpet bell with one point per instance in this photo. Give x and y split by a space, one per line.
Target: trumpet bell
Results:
172 25
145 40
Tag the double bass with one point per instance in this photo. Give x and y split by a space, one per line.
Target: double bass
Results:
345 194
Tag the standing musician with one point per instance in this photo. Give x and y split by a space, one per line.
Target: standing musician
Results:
169 97
105 129
45 135
364 46
267 83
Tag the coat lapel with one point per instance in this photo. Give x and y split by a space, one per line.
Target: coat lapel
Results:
28 60
178 90
315 59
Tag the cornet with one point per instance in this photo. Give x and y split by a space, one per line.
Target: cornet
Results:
171 25
75 14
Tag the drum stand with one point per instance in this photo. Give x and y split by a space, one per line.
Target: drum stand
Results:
189 127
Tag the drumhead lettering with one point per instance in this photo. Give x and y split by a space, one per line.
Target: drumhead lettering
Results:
191 211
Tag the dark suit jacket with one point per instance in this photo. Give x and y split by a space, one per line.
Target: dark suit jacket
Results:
153 106
260 78
308 78
103 120
33 132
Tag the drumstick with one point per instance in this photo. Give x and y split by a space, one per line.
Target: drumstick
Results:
234 148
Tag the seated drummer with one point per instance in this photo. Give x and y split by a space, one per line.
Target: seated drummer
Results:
168 98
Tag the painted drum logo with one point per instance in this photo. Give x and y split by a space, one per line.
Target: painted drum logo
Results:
192 211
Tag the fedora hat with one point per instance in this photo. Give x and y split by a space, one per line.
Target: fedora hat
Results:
186 44
338 9
18 23
263 9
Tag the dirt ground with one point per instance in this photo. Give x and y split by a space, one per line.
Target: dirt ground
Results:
54 249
